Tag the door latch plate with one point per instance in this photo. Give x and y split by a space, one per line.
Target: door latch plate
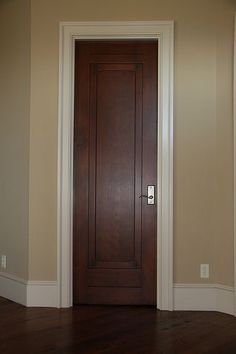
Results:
151 194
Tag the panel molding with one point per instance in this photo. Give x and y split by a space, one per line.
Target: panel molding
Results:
29 293
97 174
204 297
163 32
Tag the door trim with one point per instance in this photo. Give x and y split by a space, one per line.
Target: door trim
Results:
234 157
163 32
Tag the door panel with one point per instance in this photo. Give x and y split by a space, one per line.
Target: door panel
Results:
114 161
112 166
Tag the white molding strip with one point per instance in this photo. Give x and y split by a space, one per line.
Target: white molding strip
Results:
204 297
234 119
163 32
29 293
13 288
187 297
42 294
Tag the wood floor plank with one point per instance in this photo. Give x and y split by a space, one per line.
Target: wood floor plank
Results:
113 330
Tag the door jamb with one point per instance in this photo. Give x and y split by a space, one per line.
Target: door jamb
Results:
234 142
163 32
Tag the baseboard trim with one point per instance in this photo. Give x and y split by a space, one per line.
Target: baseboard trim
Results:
42 294
29 293
187 297
13 288
204 297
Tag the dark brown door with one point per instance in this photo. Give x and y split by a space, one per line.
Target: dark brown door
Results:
115 159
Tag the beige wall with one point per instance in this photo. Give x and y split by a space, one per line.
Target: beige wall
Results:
203 161
203 148
14 133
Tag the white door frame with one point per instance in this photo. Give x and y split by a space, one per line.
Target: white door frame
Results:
163 32
234 140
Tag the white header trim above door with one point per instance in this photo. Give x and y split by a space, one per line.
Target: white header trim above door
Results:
163 32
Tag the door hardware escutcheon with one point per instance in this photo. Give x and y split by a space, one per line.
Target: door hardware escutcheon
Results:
150 195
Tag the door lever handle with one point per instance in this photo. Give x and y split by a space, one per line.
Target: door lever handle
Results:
150 195
146 196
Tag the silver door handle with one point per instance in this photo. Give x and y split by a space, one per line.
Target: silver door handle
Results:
150 195
146 196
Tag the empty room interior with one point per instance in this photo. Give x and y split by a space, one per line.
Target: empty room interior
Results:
117 176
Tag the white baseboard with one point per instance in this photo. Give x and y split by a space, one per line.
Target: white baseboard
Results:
13 288
29 293
226 300
204 297
190 297
42 294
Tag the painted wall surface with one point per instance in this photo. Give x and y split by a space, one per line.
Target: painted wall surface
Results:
203 135
14 133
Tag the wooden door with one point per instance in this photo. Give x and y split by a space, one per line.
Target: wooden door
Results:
115 159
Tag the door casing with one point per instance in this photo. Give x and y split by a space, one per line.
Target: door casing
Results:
163 32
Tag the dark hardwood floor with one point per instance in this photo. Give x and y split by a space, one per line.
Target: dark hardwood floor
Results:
101 329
